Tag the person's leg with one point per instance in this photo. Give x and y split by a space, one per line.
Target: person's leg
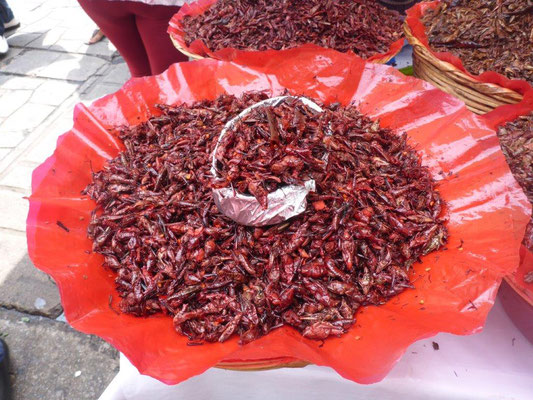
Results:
6 15
4 12
118 24
152 22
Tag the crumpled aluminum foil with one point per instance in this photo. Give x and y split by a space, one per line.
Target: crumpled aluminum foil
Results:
284 203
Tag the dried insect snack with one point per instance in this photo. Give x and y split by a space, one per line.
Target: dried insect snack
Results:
487 35
362 26
272 147
516 139
374 213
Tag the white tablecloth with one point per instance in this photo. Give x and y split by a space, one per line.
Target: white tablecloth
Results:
494 364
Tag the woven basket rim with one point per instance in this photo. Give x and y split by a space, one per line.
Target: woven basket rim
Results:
479 97
177 45
262 365
195 56
421 47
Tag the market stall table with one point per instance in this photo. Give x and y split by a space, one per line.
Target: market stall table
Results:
494 364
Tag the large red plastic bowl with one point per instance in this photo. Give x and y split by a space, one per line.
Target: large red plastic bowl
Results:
455 287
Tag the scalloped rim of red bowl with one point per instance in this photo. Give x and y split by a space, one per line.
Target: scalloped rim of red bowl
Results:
463 322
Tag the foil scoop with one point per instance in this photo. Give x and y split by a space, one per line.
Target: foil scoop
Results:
284 203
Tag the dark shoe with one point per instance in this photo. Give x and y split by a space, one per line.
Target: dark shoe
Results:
5 380
12 25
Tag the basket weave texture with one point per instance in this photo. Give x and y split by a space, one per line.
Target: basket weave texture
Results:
481 94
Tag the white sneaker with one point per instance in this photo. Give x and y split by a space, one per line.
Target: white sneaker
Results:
13 24
4 47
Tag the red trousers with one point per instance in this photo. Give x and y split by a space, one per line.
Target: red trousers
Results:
138 31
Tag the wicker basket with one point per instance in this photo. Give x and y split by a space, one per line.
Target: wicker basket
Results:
479 97
261 365
193 56
182 50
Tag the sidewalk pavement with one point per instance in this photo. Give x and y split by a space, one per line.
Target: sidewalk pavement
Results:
46 72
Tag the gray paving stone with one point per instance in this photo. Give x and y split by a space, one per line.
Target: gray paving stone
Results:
72 18
13 248
53 92
118 73
64 14
76 30
99 90
13 209
11 54
77 23
3 152
24 7
31 62
74 67
18 176
32 11
47 39
11 100
9 139
21 39
69 45
12 82
103 70
22 286
27 117
102 49
45 146
61 70
54 362
65 4
42 25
